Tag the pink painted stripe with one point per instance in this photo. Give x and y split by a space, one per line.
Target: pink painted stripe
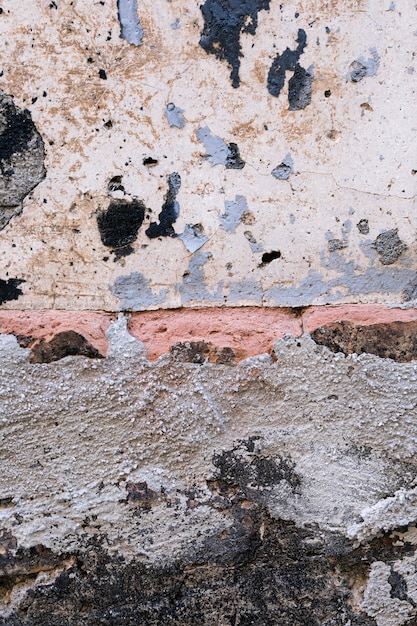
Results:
360 314
46 324
247 331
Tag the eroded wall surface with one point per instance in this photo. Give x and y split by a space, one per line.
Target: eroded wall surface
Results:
208 323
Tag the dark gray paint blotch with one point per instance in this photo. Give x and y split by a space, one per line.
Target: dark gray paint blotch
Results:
389 246
22 155
119 224
170 211
224 22
363 227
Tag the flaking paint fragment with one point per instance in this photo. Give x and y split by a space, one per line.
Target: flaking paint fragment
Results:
285 169
233 211
194 286
362 67
218 152
131 29
193 237
174 115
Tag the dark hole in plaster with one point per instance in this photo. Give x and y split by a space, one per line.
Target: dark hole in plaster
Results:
150 161
9 289
224 21
119 224
66 343
268 257
102 74
115 184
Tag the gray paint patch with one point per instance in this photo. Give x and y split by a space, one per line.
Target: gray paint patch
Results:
174 115
194 286
193 237
233 213
134 293
22 156
364 67
245 290
131 29
218 152
314 287
254 245
389 246
300 88
285 169
216 147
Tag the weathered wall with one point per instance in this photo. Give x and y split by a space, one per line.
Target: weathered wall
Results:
208 332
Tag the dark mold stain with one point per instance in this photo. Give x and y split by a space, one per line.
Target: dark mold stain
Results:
363 227
226 357
170 211
389 246
119 224
141 495
9 289
285 62
233 159
224 21
299 88
21 158
394 340
66 343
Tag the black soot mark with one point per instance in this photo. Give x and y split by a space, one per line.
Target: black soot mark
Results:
149 161
9 289
115 184
170 211
299 85
224 21
120 223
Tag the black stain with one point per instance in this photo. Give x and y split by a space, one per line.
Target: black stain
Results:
233 160
149 161
9 289
299 85
224 21
399 587
285 62
170 211
363 227
119 224
115 184
102 74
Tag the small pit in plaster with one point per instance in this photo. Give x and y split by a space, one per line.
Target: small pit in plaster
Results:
389 246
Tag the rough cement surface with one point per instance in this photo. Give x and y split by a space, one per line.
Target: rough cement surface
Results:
179 492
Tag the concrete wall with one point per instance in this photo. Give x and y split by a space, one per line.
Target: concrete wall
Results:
208 313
